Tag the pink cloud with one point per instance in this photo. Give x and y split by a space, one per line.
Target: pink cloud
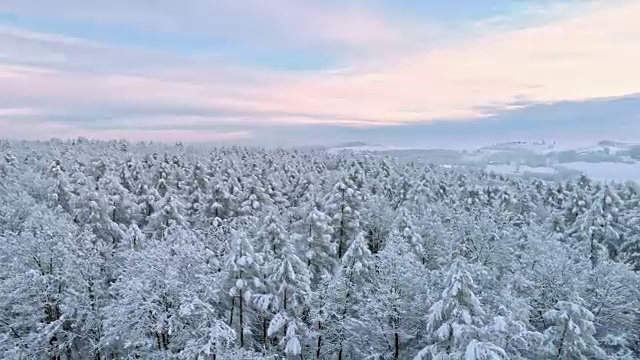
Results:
18 112
164 135
351 26
25 130
587 57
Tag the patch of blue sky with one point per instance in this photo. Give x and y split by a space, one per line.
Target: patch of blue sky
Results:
464 11
247 52
453 10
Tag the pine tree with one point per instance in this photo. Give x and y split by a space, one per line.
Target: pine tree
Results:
571 332
410 235
243 269
579 202
166 302
168 214
319 251
453 320
271 238
599 227
290 279
60 190
195 186
255 199
376 218
356 266
40 284
630 247
220 204
394 302
343 206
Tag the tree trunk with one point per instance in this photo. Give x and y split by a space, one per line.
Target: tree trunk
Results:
158 341
561 344
319 346
342 232
593 256
241 321
233 305
264 332
396 342
286 326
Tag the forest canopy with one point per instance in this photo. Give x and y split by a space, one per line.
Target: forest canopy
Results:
116 250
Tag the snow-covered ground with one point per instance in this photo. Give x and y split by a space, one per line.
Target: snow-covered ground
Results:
607 171
604 161
522 169
364 148
528 146
603 171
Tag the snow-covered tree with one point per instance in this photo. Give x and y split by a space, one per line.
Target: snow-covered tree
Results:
319 251
343 205
571 332
454 319
242 266
599 228
168 214
118 250
395 302
290 279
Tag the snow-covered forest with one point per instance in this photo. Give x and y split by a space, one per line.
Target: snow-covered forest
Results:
116 250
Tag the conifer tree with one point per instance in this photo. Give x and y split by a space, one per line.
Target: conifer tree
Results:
343 205
454 319
571 332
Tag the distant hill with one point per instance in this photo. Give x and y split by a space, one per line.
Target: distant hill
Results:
352 144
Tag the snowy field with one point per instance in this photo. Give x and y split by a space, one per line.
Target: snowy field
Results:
605 161
606 171
520 169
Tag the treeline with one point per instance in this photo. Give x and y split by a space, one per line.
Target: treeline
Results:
115 250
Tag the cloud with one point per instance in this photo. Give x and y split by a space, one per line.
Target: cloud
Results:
18 112
268 25
571 123
588 57
591 54
47 129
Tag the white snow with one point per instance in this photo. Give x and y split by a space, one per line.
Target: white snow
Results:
364 148
522 169
601 171
527 146
607 171
603 161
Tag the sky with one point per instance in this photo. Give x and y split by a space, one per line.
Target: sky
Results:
422 73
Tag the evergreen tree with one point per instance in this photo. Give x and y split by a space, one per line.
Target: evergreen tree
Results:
40 284
599 228
291 281
342 205
391 315
571 332
454 319
60 190
319 250
168 215
242 266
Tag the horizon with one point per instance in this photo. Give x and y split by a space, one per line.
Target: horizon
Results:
420 74
552 146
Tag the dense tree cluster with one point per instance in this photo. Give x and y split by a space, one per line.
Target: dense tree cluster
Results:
114 250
